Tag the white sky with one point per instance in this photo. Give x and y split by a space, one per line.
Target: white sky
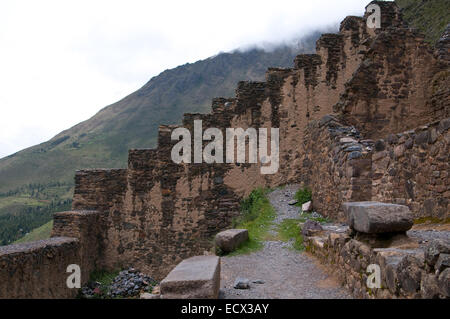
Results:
61 61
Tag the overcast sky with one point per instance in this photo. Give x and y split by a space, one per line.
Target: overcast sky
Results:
62 61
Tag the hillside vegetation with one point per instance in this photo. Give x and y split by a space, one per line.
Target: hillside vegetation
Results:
429 16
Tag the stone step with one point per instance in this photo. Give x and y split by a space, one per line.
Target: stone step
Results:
193 278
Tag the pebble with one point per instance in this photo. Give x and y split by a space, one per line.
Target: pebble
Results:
241 283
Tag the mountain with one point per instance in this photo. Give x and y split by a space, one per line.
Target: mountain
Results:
429 16
41 177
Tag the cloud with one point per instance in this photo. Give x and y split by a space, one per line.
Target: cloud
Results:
61 61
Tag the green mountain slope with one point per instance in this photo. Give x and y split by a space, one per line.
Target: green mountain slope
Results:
429 16
39 233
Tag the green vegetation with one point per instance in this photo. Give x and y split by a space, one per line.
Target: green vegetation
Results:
430 17
431 220
288 230
305 216
257 215
23 220
303 195
39 233
105 278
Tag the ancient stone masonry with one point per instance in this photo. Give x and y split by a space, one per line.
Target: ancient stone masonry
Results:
38 269
413 168
408 267
155 213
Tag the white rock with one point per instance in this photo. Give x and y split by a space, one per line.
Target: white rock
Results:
306 207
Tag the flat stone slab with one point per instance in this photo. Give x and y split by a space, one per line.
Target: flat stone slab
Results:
229 240
376 217
193 278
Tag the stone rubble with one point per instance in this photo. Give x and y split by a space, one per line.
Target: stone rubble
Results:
128 283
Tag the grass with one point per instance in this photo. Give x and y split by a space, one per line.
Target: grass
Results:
303 195
257 217
105 278
430 17
42 232
288 229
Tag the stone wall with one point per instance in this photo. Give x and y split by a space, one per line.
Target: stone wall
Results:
336 165
405 272
38 269
412 168
156 212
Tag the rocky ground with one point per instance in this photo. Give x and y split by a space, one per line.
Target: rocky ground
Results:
278 271
129 283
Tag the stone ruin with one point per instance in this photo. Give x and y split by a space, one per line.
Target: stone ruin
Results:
365 118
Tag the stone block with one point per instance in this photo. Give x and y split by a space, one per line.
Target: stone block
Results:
229 240
376 217
193 278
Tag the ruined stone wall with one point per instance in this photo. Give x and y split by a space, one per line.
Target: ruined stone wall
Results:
412 168
156 213
336 165
405 272
38 269
159 212
397 87
88 227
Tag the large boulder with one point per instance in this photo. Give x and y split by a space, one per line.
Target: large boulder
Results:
193 278
376 217
228 240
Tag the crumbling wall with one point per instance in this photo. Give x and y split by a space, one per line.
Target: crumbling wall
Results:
38 269
156 212
336 165
412 168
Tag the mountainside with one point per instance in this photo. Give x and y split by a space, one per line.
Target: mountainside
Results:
429 16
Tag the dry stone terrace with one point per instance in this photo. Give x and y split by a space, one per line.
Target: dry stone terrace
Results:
366 118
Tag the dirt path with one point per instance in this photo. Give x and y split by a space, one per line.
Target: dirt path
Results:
286 273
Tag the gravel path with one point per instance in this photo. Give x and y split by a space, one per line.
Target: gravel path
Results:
286 273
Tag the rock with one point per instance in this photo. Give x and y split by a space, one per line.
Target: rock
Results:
258 282
128 283
156 290
311 228
434 248
344 140
147 295
444 283
306 207
316 215
293 202
193 278
354 155
380 145
409 275
429 286
231 239
241 283
442 262
376 217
